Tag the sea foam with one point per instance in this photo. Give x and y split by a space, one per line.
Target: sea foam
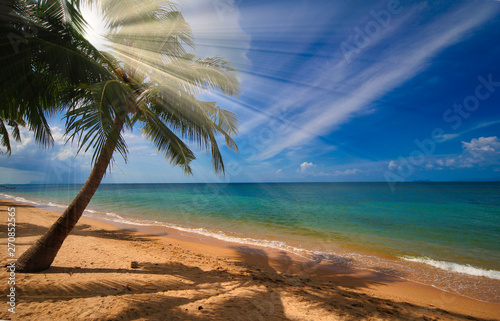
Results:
455 267
19 199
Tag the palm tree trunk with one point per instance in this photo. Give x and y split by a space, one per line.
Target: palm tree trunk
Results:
40 256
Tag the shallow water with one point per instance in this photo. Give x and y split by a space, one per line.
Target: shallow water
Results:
443 234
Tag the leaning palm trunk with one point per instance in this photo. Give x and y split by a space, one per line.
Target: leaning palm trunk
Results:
40 256
154 88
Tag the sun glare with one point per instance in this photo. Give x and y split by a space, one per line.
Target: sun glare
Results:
96 27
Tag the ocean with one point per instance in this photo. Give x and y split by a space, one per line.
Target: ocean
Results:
443 234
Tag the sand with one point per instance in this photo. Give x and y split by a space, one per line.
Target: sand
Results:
92 279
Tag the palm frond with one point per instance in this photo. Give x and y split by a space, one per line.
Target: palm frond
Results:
192 119
16 134
167 142
45 58
92 121
39 126
4 138
192 75
146 78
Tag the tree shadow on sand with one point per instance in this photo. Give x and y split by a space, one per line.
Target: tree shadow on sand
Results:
10 204
255 287
29 229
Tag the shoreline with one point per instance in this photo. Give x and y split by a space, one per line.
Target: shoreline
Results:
463 280
332 264
297 280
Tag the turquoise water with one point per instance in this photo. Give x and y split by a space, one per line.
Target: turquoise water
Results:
454 227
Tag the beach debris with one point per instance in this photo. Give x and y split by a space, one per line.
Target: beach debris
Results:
200 308
134 264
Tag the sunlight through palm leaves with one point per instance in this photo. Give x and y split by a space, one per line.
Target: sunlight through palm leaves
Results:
153 85
42 53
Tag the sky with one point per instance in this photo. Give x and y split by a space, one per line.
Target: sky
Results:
332 91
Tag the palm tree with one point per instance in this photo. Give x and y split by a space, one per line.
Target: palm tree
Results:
154 88
39 41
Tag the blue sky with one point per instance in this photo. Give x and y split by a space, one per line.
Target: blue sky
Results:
332 91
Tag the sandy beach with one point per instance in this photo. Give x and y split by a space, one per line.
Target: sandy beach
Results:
92 279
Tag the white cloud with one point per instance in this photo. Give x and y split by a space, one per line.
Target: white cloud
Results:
482 151
139 148
479 152
347 172
482 145
305 165
58 134
279 171
392 165
129 135
31 163
337 173
65 154
450 162
26 141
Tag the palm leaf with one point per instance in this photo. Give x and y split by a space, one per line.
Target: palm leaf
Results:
92 120
167 143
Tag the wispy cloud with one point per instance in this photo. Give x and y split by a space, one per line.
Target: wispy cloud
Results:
347 172
447 137
361 84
